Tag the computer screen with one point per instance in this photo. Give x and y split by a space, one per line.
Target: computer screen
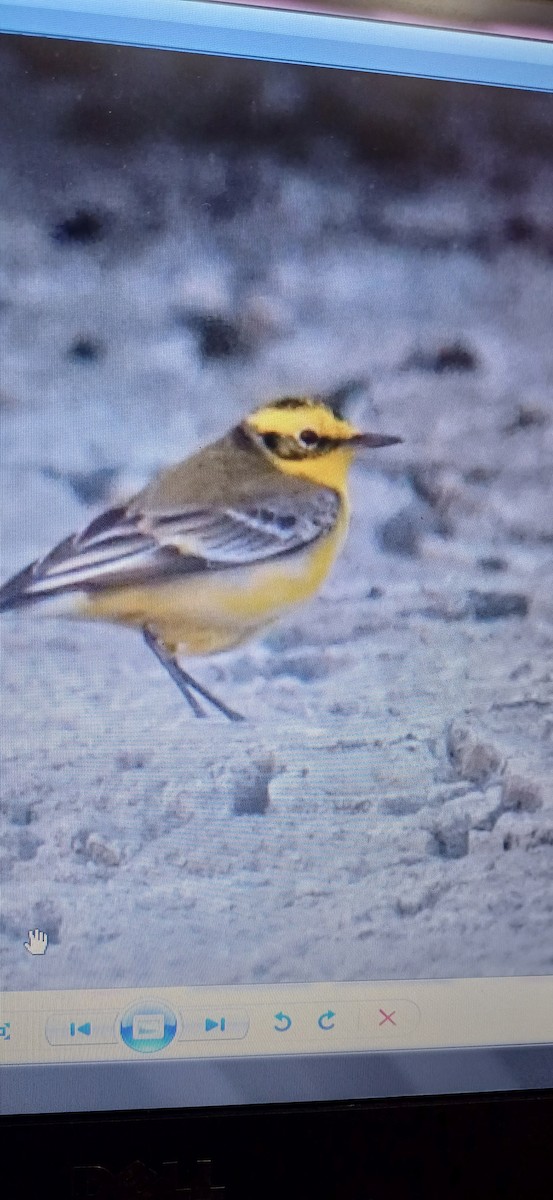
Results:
276 546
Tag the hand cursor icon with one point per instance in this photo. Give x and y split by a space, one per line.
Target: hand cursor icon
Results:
38 942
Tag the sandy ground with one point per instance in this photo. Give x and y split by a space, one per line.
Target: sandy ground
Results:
387 809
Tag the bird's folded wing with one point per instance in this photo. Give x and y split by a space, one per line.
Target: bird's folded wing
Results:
246 533
122 547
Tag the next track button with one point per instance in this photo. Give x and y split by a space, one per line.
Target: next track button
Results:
213 1025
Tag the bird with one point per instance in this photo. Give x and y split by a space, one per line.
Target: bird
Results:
215 549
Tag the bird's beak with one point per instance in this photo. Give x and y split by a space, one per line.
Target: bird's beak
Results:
374 440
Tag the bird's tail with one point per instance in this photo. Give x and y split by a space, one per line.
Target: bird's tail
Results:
33 583
15 593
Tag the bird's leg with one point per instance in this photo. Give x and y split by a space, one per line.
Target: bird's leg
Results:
185 683
171 665
194 686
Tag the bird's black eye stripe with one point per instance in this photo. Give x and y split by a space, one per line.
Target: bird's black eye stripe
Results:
271 441
294 446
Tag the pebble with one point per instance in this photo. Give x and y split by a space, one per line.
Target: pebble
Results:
95 848
520 792
524 832
102 852
474 811
402 533
493 606
471 757
451 356
252 794
419 897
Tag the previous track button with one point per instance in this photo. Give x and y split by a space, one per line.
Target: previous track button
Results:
80 1029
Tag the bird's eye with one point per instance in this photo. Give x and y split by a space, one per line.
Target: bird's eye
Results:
308 437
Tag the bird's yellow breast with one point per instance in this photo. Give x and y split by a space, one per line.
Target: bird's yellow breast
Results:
213 611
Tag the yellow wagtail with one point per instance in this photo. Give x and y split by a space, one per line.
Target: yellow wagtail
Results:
216 548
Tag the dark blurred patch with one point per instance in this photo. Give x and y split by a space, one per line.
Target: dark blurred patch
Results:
128 760
240 187
533 140
508 179
527 417
484 243
481 475
402 533
218 337
453 356
381 136
406 130
477 606
492 564
439 487
18 811
83 228
493 606
86 350
7 401
90 487
307 667
427 483
46 59
237 117
45 915
451 840
251 793
437 491
27 846
110 125
519 229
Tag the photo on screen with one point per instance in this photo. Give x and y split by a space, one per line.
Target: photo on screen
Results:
302 727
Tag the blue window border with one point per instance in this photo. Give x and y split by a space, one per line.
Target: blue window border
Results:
309 38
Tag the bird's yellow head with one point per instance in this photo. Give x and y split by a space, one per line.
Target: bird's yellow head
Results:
304 437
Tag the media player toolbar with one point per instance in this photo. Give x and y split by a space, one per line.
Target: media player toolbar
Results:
149 1026
218 1022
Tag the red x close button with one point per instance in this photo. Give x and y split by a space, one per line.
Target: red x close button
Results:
388 1018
